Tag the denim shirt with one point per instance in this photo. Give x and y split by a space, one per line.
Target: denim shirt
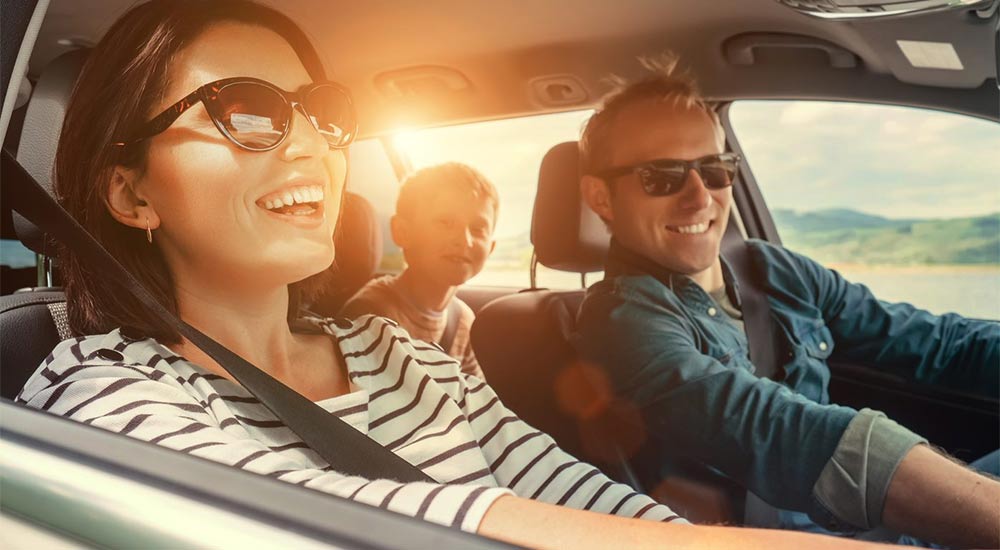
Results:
671 350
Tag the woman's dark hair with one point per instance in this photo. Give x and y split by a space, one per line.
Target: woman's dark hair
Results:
125 75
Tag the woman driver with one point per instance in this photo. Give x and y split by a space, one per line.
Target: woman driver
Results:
205 150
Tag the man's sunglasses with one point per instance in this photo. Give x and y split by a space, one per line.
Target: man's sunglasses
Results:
256 115
662 177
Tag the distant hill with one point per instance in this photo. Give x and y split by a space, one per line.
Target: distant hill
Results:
848 236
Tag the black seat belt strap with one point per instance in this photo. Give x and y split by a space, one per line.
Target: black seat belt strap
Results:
347 450
756 310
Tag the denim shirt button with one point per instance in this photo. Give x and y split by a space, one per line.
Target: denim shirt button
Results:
712 311
823 346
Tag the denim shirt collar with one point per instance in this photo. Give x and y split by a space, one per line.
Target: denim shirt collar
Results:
623 261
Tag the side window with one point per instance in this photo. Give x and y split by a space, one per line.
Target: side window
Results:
903 200
509 153
372 176
17 265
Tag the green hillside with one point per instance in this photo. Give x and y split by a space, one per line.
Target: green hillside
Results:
848 236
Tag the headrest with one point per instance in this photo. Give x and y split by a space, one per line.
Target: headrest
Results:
566 233
358 244
40 135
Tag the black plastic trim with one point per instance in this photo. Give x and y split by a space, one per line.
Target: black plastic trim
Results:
746 193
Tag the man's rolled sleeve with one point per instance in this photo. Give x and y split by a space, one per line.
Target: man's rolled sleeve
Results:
853 484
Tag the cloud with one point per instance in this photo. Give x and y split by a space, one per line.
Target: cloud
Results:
891 161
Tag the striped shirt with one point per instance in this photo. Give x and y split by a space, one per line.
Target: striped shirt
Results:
409 396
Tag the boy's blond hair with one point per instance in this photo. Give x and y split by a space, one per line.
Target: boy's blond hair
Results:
666 84
450 175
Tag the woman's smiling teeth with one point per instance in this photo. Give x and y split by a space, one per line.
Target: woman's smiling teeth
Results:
690 229
295 201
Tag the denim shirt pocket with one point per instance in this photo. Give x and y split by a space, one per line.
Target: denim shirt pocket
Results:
817 340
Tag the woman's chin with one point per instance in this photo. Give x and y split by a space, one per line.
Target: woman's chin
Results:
289 268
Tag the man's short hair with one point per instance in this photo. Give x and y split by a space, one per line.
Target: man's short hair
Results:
428 181
665 83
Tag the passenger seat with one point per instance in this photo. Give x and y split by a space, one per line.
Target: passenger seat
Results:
33 321
522 340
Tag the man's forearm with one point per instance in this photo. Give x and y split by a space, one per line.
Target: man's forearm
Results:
935 499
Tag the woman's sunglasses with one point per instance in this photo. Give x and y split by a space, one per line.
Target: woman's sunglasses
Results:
662 177
256 115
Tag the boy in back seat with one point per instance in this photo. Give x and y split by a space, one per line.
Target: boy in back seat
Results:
444 222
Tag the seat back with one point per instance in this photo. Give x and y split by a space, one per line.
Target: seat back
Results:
522 341
32 322
358 246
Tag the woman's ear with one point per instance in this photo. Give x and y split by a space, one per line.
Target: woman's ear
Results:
597 195
126 205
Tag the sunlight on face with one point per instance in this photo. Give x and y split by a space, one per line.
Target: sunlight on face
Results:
207 192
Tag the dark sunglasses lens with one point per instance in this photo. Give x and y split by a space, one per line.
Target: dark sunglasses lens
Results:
255 115
718 174
332 114
663 180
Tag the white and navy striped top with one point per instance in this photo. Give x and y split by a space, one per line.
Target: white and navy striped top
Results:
410 397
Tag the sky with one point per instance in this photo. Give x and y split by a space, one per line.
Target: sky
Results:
895 162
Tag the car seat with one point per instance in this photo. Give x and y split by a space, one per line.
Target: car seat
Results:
34 320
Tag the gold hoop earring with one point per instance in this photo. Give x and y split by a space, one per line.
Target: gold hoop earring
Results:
149 232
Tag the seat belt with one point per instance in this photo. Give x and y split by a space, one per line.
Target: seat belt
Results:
763 346
451 326
347 450
754 305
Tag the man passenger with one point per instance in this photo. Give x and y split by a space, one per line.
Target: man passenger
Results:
666 326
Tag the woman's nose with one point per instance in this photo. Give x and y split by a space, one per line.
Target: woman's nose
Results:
303 139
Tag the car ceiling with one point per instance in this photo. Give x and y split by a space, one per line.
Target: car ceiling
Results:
413 64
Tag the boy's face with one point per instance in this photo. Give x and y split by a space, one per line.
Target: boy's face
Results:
448 237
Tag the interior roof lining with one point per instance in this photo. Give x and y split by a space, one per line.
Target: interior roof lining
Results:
589 40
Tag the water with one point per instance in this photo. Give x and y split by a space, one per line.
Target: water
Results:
972 292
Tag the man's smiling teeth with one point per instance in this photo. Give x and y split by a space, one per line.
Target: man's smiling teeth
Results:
690 229
289 197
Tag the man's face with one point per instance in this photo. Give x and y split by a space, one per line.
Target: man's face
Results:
681 231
